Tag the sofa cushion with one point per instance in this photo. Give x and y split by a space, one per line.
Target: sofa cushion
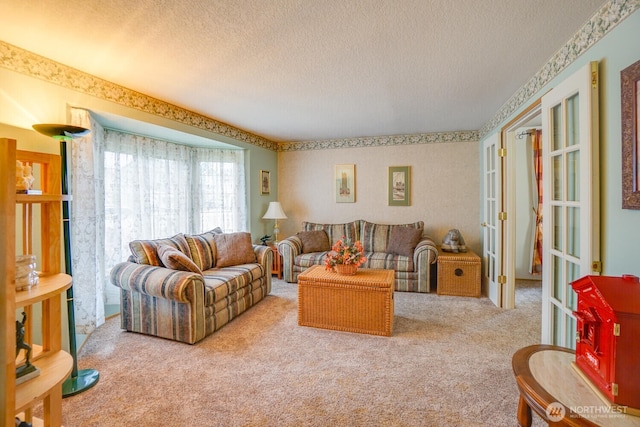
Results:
234 249
176 260
375 237
202 248
224 283
403 240
314 241
146 251
388 261
349 230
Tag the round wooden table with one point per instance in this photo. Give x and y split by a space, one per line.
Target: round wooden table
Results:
551 386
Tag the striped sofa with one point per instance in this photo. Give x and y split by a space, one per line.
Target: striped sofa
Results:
190 299
412 273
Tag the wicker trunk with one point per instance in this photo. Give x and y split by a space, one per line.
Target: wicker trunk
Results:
459 274
362 303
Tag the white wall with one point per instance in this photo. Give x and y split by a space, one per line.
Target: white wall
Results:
445 187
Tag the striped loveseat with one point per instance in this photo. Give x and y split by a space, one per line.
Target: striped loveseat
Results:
386 247
186 287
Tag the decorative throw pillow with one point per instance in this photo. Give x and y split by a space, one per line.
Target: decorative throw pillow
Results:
335 231
234 249
314 241
403 240
146 251
216 230
176 260
202 248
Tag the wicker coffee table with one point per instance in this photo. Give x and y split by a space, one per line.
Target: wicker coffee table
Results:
362 303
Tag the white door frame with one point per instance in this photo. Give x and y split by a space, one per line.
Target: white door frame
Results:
509 141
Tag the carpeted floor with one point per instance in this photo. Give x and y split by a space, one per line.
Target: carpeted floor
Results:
448 363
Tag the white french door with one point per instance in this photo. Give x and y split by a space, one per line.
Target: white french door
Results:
492 238
571 227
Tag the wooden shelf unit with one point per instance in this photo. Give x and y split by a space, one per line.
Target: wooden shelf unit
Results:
54 364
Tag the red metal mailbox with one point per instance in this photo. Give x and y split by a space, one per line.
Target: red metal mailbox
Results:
608 340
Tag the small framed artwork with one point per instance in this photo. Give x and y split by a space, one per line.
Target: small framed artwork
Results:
399 185
265 182
630 94
345 181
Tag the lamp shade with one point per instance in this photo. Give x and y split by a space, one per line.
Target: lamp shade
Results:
274 211
61 131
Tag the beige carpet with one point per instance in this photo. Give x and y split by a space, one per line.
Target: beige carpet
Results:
448 363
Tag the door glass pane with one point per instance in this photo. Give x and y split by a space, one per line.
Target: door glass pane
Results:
571 332
558 282
487 266
573 176
556 226
556 127
492 185
573 231
491 241
573 274
573 120
487 159
556 175
556 332
491 157
492 212
487 180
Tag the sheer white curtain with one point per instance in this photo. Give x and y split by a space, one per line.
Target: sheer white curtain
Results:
149 189
221 197
86 171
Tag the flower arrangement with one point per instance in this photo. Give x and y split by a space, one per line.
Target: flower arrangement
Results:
345 252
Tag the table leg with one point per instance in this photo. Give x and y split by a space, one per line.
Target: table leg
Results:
524 413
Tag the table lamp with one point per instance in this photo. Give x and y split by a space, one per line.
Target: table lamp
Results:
275 212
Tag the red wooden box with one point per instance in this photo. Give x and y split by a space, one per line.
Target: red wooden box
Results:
608 322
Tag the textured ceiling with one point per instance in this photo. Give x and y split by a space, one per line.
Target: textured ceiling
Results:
296 70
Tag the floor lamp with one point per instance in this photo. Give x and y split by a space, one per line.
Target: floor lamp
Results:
84 379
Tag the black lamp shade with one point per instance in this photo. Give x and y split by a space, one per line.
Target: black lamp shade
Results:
61 131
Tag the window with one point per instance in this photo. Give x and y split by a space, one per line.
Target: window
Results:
155 189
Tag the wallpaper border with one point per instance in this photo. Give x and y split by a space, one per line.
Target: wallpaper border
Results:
379 141
36 66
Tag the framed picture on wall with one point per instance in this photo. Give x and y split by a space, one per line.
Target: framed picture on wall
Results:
265 182
399 185
630 94
345 182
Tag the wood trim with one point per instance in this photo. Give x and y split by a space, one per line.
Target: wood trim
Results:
7 270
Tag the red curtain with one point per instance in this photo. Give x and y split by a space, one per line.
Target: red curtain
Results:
536 262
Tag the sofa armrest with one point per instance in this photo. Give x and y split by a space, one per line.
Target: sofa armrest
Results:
264 256
160 282
427 249
289 249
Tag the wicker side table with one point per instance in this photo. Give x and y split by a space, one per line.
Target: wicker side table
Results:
459 274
